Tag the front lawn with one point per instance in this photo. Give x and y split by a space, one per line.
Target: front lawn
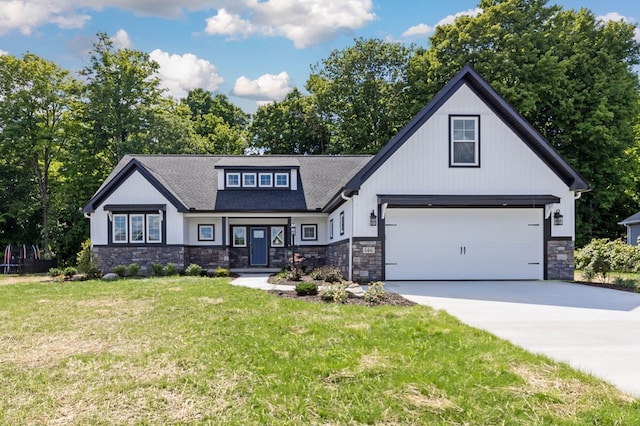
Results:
198 350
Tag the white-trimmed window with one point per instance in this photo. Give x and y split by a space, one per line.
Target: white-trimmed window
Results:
120 228
277 236
309 232
154 228
239 236
465 141
341 223
249 180
233 180
136 228
331 229
282 180
206 232
265 180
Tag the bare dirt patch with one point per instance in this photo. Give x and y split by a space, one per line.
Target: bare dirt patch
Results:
24 279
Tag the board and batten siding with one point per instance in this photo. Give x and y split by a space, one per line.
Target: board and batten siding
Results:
136 190
421 166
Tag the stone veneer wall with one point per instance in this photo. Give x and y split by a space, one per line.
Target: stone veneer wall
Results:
338 255
367 266
314 256
560 259
208 257
110 256
238 257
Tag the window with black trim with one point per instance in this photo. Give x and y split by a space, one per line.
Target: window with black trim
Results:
265 180
341 223
233 180
282 180
136 228
309 232
277 236
464 141
331 229
239 236
249 180
206 232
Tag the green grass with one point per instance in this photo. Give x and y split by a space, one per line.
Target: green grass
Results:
200 351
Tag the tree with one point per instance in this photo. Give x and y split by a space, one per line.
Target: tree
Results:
34 117
361 93
291 126
568 74
122 90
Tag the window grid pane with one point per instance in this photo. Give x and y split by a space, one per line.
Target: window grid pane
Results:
137 228
233 179
464 144
120 228
153 228
265 179
282 179
239 239
277 236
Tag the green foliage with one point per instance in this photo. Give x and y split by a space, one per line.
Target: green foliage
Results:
133 269
170 269
221 272
602 256
306 289
193 270
157 269
626 283
336 293
55 272
331 274
86 258
70 271
93 273
293 274
120 270
375 292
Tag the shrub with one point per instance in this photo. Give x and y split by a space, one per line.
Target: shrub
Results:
330 274
55 272
86 258
133 269
307 289
221 272
70 271
336 293
157 269
193 270
170 269
120 270
93 273
294 274
602 256
375 292
625 282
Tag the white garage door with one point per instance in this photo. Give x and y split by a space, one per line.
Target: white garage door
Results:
464 244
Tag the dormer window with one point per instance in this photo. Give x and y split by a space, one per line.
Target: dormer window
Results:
233 180
249 180
282 180
265 180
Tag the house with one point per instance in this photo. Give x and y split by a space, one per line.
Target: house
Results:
632 223
466 190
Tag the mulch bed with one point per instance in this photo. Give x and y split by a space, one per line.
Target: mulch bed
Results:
606 285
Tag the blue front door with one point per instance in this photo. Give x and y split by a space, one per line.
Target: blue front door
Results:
258 247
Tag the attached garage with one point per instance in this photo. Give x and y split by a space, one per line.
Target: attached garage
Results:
481 242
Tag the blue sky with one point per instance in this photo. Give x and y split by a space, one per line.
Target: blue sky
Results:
254 51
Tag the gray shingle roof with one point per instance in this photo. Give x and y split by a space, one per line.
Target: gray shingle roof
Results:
631 220
193 180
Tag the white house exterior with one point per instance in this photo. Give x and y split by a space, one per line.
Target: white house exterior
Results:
467 190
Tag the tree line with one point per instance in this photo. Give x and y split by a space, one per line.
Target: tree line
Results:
571 75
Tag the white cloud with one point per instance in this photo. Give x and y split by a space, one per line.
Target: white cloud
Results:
304 22
615 16
266 88
3 52
181 73
424 30
121 40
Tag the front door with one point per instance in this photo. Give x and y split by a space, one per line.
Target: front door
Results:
258 247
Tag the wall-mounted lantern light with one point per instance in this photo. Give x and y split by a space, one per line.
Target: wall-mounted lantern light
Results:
558 219
373 219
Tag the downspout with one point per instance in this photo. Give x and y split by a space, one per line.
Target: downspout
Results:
344 197
577 195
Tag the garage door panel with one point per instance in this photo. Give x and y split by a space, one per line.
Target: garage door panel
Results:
450 244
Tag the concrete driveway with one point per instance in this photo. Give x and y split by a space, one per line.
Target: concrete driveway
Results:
592 329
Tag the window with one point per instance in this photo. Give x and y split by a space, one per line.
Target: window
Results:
136 223
331 229
249 179
233 180
465 141
341 223
277 236
153 228
265 179
309 232
282 180
206 233
239 236
136 228
120 228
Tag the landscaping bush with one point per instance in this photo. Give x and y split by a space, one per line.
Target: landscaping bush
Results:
133 269
602 256
120 270
294 274
93 273
330 274
193 270
375 292
55 272
221 272
157 269
70 271
170 269
626 282
306 289
336 293
86 258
